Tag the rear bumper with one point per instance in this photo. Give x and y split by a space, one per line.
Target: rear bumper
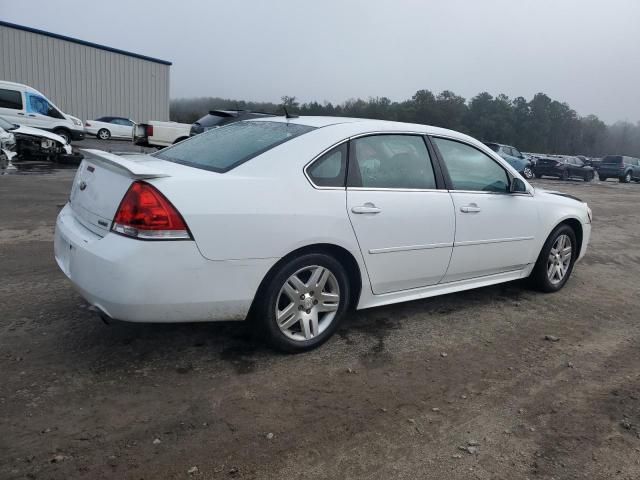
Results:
154 281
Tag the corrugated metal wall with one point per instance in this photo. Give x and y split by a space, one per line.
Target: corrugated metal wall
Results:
84 81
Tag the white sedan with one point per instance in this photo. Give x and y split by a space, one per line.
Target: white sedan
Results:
291 221
110 127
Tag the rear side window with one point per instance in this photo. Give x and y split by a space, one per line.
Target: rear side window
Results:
617 159
10 99
330 169
391 161
470 169
224 148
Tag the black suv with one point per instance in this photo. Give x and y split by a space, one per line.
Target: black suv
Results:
618 166
218 118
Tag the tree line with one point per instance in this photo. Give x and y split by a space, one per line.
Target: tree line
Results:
540 125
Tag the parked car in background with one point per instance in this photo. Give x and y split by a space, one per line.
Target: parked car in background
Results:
404 224
160 134
33 143
218 118
7 145
563 167
621 167
23 105
110 127
512 155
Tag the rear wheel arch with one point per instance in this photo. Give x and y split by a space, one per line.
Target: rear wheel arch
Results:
178 140
341 254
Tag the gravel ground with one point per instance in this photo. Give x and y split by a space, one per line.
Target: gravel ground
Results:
463 386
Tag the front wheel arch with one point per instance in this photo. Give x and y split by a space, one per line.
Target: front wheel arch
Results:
576 226
341 254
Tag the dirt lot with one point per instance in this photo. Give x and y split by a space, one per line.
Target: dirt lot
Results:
393 396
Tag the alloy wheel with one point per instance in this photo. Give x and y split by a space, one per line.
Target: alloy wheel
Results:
559 259
307 303
528 173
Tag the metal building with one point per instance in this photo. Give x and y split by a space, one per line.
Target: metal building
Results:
85 79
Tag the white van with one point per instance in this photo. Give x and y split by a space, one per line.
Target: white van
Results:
24 105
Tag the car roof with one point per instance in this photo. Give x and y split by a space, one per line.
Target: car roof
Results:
366 125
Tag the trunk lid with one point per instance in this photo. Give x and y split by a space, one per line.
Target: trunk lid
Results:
101 182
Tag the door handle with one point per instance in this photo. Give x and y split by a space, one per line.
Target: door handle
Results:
366 208
31 115
20 113
471 208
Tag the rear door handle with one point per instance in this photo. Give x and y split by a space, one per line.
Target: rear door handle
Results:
31 115
471 208
366 208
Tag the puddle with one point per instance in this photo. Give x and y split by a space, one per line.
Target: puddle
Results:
35 167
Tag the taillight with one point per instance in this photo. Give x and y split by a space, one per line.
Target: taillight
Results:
149 130
145 213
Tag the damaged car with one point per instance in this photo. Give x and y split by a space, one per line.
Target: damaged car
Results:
34 143
7 148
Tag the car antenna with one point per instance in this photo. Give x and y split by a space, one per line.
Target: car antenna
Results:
287 114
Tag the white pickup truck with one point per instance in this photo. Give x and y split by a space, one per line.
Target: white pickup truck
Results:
160 134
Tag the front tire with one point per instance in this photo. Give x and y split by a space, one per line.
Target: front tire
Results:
555 262
302 302
528 173
61 132
602 178
588 176
104 134
626 178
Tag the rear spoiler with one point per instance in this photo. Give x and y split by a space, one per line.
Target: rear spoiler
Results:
135 168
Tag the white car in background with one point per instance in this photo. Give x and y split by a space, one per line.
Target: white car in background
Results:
110 127
291 221
24 105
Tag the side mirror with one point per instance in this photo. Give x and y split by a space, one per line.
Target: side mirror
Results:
517 186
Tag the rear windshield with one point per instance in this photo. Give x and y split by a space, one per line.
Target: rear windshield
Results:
211 120
224 148
493 146
612 159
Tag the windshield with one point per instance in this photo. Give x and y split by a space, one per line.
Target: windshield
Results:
5 125
224 148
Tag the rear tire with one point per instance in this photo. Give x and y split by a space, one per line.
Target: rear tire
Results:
553 260
565 175
602 178
588 176
295 312
104 134
527 173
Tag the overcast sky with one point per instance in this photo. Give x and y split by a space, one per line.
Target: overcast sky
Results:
583 52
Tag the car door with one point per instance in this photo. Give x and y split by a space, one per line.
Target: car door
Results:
403 222
121 128
495 229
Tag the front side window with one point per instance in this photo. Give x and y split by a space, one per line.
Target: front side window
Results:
10 99
38 104
470 169
224 148
391 161
330 169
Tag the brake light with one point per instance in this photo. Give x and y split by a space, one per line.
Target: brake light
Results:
146 214
149 130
